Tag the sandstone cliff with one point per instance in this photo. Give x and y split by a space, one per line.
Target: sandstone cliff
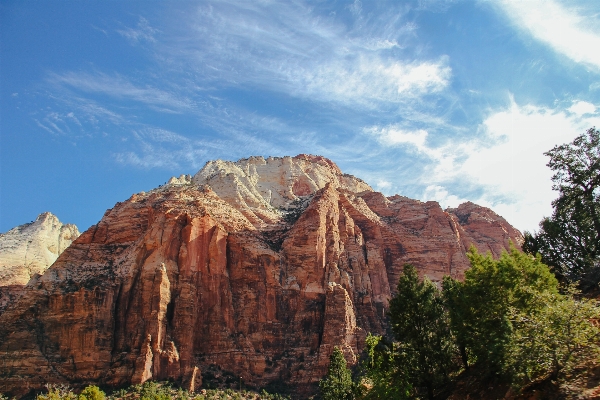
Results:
30 249
257 268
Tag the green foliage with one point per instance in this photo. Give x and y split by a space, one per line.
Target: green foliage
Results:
552 337
155 391
337 384
569 240
264 395
459 312
162 390
57 392
381 377
421 326
91 393
491 289
509 317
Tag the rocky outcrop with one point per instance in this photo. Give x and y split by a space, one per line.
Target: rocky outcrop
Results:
30 249
258 268
484 228
262 188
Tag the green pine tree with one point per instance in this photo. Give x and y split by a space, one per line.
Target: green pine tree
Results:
421 326
382 377
337 384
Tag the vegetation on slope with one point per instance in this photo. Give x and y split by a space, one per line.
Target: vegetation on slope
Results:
150 390
509 321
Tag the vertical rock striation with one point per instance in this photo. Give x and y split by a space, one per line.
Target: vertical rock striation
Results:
257 268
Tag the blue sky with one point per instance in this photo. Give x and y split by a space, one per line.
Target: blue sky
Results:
435 100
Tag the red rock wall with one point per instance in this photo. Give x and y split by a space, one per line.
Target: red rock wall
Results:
174 281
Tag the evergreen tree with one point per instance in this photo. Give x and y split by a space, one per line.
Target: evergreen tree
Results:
337 384
457 303
382 376
491 289
421 327
569 240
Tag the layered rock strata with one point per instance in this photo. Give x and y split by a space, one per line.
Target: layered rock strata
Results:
30 249
258 268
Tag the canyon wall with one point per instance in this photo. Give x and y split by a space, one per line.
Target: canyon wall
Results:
252 269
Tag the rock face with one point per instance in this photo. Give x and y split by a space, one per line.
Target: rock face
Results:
30 249
255 269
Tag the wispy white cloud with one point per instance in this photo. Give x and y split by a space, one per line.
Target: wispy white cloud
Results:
343 65
356 8
378 44
78 116
444 157
71 116
370 80
160 148
289 48
117 86
58 123
393 135
504 164
563 27
44 127
142 31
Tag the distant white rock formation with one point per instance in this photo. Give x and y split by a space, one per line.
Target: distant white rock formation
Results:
182 180
260 188
31 248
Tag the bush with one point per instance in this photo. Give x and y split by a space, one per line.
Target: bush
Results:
92 393
57 392
154 391
550 340
509 318
482 305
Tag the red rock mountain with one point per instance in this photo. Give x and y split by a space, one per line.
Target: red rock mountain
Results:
252 269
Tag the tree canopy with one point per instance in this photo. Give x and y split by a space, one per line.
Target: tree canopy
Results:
508 319
337 384
569 240
421 327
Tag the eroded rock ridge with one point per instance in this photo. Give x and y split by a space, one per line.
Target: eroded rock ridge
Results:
29 249
257 268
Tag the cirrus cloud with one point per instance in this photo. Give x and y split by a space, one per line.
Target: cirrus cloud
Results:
565 29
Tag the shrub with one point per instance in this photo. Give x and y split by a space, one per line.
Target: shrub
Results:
57 392
92 393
